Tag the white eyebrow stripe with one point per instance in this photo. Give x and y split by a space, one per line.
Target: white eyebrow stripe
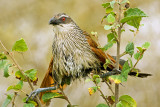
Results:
63 16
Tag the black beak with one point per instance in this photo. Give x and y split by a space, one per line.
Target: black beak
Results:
54 21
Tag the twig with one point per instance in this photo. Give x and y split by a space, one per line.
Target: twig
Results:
109 86
118 53
13 103
20 69
66 98
124 53
103 96
138 60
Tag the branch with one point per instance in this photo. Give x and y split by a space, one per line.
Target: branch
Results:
118 53
138 60
109 86
66 98
124 53
13 103
20 69
103 96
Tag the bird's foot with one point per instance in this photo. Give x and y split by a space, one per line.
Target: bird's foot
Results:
37 91
117 71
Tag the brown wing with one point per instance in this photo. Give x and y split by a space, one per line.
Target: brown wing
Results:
99 53
48 79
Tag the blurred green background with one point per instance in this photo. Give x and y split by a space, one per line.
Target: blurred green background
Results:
28 19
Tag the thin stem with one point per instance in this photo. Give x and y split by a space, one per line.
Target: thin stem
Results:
118 53
124 53
137 60
109 87
20 69
103 96
13 103
66 98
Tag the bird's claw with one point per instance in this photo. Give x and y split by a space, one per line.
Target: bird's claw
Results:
116 70
32 95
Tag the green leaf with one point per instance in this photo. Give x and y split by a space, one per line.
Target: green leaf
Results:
111 37
123 30
98 80
130 48
125 70
123 76
140 49
105 5
109 10
102 105
106 64
94 33
119 104
16 87
107 27
6 74
107 46
20 46
137 55
88 80
20 76
112 3
146 45
7 100
127 101
131 30
71 105
28 105
124 1
110 18
133 17
130 61
95 76
3 56
49 95
3 63
29 102
31 74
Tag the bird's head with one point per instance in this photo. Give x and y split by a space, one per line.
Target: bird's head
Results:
62 22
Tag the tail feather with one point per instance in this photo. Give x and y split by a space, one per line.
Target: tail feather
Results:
141 75
47 81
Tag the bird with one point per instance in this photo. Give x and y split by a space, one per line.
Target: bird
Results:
74 54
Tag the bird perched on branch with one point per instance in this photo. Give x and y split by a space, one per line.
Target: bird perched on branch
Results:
75 54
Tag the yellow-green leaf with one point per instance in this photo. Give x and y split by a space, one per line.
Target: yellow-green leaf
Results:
20 46
146 45
7 100
110 18
16 87
31 74
130 48
126 101
102 105
6 74
49 95
20 76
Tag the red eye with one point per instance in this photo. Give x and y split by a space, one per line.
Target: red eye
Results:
63 18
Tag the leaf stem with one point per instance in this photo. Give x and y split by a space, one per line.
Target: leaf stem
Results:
109 86
13 103
103 96
137 60
66 98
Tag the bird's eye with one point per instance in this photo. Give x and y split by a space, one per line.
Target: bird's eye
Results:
63 18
